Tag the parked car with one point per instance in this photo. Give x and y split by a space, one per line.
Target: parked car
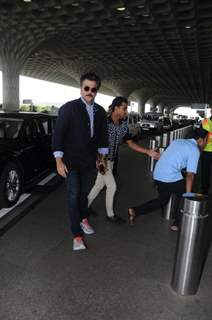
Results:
133 122
151 121
25 152
167 123
197 124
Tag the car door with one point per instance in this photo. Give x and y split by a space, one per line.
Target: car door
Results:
32 150
46 130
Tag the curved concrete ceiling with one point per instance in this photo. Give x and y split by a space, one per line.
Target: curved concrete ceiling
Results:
165 45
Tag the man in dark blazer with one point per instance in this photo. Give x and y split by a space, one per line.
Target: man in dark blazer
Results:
80 135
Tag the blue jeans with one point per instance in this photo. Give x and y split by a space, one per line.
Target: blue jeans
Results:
77 184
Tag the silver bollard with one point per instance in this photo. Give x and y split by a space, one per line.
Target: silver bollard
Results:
171 137
178 133
167 212
183 133
165 140
151 161
158 141
161 150
152 144
191 249
151 164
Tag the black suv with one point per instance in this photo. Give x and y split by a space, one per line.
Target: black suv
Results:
25 151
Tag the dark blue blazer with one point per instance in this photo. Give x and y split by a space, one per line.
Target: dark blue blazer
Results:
72 134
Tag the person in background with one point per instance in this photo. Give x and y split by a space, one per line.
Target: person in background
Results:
181 154
80 134
206 159
118 132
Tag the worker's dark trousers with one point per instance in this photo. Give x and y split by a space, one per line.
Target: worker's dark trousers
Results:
206 166
165 189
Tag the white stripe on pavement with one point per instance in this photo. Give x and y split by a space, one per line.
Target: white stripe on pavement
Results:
45 180
23 197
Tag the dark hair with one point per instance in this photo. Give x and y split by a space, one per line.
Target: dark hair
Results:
92 77
200 133
117 102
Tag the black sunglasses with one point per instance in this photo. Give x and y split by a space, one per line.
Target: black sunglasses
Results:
94 90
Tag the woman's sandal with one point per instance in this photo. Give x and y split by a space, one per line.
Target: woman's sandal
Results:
131 216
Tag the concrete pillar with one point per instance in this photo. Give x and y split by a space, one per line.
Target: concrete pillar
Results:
142 97
141 107
160 108
10 83
153 108
166 111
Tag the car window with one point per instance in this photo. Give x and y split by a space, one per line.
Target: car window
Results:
48 125
9 128
45 126
155 118
167 121
29 130
53 123
39 128
32 129
150 117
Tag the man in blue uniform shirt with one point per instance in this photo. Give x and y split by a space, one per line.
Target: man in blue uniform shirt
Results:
181 154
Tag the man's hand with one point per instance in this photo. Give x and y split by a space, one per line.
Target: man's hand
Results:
101 164
61 167
150 152
101 167
153 154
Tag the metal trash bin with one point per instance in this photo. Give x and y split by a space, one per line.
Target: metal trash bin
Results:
167 212
192 249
